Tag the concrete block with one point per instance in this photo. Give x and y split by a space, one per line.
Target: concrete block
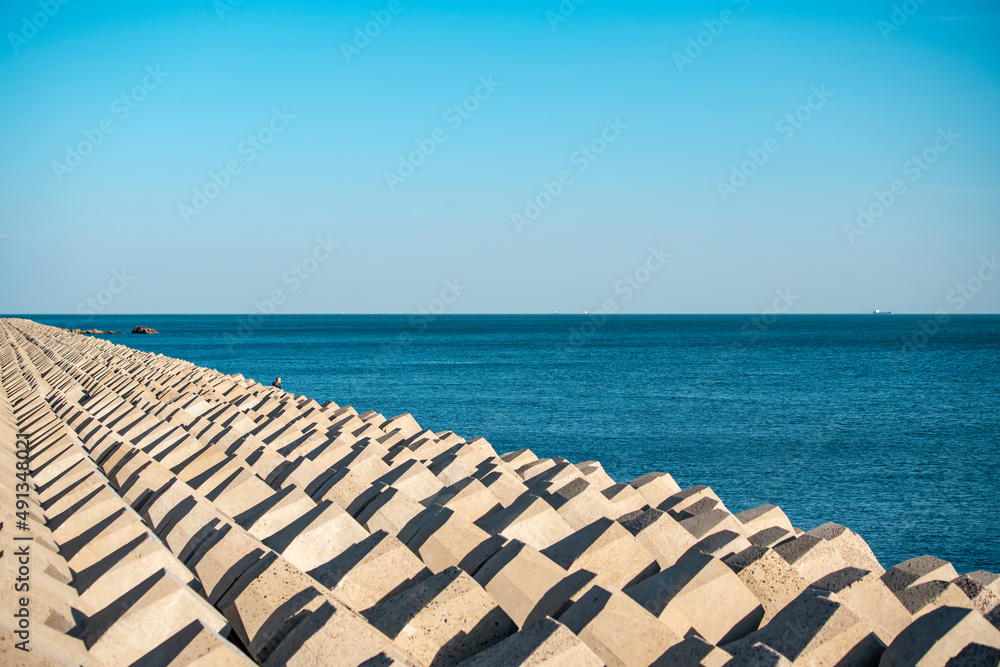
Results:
530 520
660 534
816 629
580 505
723 544
525 583
467 497
534 468
854 550
764 517
51 602
812 557
442 620
519 458
309 446
276 512
414 479
920 570
371 571
695 651
405 424
505 487
983 589
771 537
936 638
265 601
351 482
90 491
625 499
618 630
317 537
608 550
271 467
702 594
194 468
390 510
769 577
976 655
331 630
146 617
195 645
655 487
868 597
451 468
922 598
224 554
45 559
759 655
594 473
690 502
547 643
120 567
344 452
447 539
713 521
449 438
109 517
238 491
475 451
558 475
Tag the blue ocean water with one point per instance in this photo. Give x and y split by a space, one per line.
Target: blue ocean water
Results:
888 425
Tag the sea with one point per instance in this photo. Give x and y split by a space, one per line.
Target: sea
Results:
889 425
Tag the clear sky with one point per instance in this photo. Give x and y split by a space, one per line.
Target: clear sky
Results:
622 122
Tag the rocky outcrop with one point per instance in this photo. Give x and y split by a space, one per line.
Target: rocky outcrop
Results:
144 330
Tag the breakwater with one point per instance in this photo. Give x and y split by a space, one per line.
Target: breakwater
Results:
177 514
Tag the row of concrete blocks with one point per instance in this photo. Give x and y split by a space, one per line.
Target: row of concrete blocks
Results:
109 463
640 520
79 588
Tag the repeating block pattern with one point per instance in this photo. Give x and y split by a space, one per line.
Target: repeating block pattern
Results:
182 516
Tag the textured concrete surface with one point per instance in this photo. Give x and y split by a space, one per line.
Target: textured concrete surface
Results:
181 516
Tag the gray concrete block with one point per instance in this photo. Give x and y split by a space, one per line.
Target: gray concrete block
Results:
443 620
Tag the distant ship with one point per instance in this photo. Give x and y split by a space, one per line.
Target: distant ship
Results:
882 312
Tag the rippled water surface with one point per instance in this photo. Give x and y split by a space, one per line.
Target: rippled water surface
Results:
827 417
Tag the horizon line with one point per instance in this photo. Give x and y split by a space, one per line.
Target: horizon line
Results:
484 314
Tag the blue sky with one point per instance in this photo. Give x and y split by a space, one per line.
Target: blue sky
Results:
553 87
